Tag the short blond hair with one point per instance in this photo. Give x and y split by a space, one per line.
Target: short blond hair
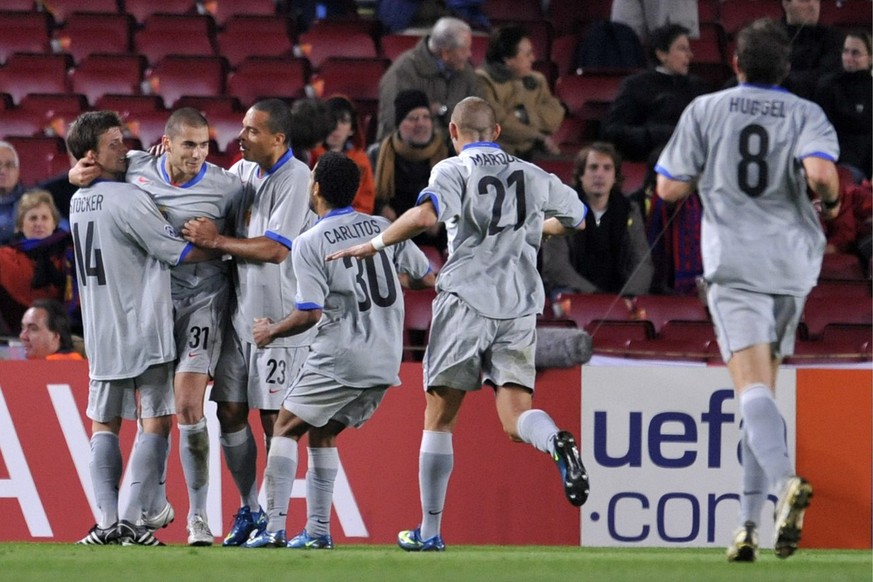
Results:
30 200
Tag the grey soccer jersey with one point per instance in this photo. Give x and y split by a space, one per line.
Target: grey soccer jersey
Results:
759 231
493 206
360 335
211 194
274 204
124 250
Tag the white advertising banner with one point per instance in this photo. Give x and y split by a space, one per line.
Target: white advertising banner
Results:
661 446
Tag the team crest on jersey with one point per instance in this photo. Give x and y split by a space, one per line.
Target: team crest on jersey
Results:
171 231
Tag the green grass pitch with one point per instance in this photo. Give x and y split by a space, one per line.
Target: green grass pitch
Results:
51 561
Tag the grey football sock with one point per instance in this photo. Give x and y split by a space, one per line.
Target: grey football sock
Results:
320 479
146 464
435 462
241 455
194 454
537 428
105 466
766 433
279 478
754 485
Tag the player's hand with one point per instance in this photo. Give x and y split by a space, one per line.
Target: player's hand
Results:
551 146
361 251
84 172
262 331
157 150
201 231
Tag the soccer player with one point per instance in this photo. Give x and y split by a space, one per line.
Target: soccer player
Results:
184 186
489 293
124 248
751 151
355 356
273 211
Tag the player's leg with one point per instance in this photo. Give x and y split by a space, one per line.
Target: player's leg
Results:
190 390
105 466
323 459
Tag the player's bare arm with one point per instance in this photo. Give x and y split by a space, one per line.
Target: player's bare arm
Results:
203 233
553 227
411 223
670 190
265 330
84 172
822 178
425 282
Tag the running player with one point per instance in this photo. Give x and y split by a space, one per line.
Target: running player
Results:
355 356
489 293
273 211
751 151
124 249
184 186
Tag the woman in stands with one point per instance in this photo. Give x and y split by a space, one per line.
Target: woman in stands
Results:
346 137
846 98
649 103
37 263
527 111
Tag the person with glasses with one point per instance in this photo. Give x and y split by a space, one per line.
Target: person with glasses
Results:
11 190
846 97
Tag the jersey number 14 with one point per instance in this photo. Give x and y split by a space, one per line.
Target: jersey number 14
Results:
89 261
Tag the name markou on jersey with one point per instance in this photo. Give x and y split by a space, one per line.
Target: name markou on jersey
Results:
91 203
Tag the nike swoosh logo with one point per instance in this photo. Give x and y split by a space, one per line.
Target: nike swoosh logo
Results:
434 512
282 514
132 483
321 521
162 483
191 354
274 391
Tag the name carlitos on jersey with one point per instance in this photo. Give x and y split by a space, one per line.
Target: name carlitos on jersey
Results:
364 228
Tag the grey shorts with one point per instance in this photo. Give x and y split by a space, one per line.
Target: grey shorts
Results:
199 328
467 349
317 399
746 318
257 376
111 399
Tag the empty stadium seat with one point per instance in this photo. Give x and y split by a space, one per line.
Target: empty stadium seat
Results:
355 78
416 322
345 38
513 10
587 98
103 74
141 10
23 32
634 174
257 78
227 10
224 128
176 75
34 73
562 167
36 156
393 45
51 105
847 14
22 123
166 34
148 127
563 53
211 104
611 337
836 289
583 308
710 60
659 309
61 10
127 105
841 266
262 36
567 17
737 13
89 33
818 312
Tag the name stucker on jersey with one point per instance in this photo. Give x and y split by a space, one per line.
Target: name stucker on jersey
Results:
498 159
352 231
91 203
773 108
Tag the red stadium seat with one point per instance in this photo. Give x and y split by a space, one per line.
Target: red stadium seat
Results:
34 73
36 157
61 10
737 13
708 10
227 10
211 104
99 75
513 10
836 289
22 123
564 53
659 309
583 308
578 91
127 105
23 32
612 337
847 14
273 34
710 60
148 127
561 167
176 75
344 38
355 78
166 34
89 33
634 174
51 105
258 78
141 10
416 322
224 128
567 17
393 45
821 311
841 266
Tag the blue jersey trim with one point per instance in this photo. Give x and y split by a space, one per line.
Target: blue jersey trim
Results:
278 238
664 172
767 87
429 196
336 212
185 251
822 155
281 162
308 306
192 182
481 144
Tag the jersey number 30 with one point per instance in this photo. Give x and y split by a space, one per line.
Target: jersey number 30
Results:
89 263
368 281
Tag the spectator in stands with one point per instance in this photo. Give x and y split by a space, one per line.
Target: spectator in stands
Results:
527 111
346 137
644 16
649 103
439 65
846 97
404 159
815 48
45 332
37 262
11 190
611 254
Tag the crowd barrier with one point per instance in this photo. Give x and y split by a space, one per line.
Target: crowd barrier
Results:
660 443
